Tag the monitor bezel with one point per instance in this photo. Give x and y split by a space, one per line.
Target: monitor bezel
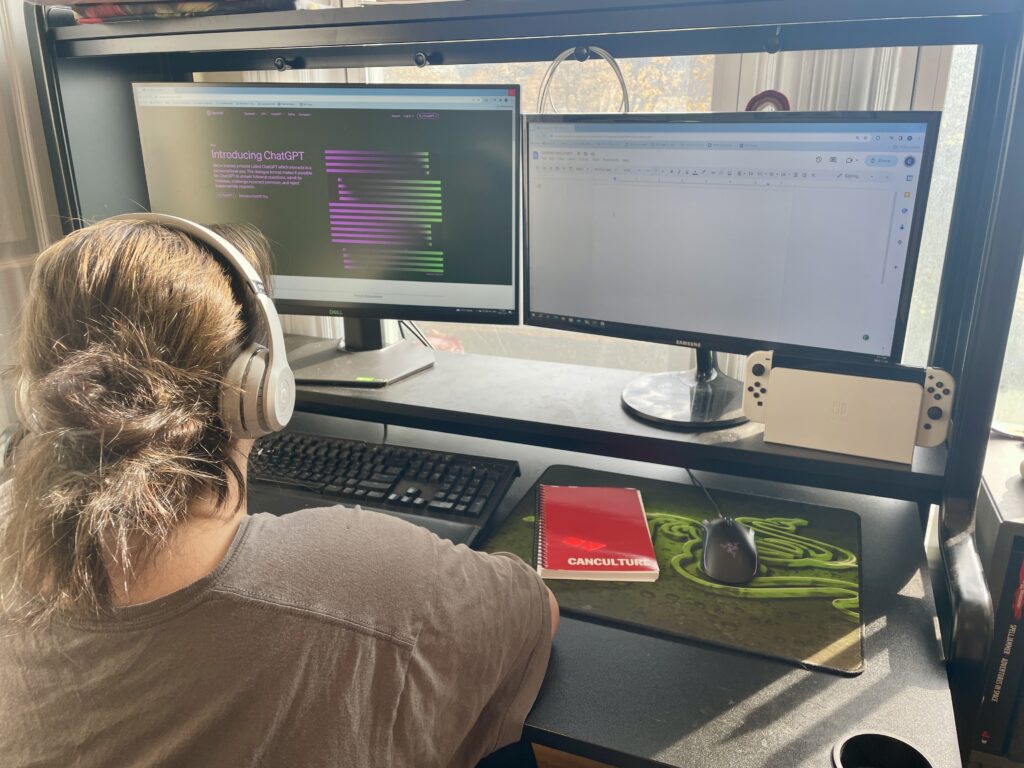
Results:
736 345
491 316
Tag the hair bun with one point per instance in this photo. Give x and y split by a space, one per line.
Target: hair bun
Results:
110 394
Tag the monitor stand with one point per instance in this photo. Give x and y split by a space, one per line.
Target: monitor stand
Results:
701 398
361 359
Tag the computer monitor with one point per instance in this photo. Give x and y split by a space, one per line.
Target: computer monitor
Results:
796 232
379 201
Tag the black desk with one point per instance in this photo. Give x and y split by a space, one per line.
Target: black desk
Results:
576 407
634 700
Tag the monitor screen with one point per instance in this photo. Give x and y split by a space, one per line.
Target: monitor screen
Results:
379 201
784 231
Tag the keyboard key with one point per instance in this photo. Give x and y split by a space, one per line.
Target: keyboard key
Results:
389 477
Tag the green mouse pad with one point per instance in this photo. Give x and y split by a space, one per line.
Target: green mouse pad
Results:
802 607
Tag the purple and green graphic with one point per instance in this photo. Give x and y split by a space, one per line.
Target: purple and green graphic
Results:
384 212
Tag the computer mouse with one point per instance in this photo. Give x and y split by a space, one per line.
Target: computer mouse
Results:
730 555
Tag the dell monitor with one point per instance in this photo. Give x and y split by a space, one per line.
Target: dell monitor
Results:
378 201
796 232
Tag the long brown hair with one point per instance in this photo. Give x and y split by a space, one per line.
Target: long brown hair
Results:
126 334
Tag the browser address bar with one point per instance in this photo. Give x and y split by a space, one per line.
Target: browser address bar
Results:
228 101
711 137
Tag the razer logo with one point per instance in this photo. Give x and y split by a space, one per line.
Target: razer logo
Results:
732 548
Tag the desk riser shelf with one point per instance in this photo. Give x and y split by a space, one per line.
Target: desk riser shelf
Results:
481 30
488 20
348 46
574 407
321 50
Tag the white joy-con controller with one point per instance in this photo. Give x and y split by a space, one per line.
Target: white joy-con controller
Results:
755 386
936 406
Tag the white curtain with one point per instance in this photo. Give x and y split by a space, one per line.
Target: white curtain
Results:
28 211
855 79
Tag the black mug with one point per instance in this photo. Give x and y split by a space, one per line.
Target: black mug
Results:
876 750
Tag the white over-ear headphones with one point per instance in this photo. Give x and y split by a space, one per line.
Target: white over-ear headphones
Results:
257 396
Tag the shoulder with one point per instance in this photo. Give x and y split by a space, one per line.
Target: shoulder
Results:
362 569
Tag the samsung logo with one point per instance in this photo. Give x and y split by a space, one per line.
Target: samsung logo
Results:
682 343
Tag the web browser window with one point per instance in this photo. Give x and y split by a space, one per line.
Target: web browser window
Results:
404 197
792 233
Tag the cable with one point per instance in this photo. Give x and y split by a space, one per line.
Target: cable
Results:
415 331
707 493
384 437
582 53
420 335
403 326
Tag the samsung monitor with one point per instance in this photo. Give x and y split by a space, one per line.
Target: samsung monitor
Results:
729 232
379 201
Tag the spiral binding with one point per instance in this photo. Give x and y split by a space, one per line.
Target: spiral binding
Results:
542 548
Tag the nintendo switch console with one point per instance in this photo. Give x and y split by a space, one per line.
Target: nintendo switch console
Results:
875 411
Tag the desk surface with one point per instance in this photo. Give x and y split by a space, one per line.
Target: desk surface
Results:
577 408
634 700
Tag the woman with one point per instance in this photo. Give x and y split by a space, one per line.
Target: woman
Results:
148 620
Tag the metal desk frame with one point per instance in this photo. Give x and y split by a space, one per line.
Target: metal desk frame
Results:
82 69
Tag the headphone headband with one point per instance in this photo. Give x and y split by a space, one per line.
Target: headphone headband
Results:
258 395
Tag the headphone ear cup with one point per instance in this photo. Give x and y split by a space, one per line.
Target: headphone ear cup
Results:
278 401
252 397
232 393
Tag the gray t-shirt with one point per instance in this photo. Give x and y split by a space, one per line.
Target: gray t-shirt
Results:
328 637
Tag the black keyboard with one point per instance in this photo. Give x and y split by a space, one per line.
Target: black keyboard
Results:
447 486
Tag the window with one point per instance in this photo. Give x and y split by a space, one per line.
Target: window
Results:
883 78
663 84
940 205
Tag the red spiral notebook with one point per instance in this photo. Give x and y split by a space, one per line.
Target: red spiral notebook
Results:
593 533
